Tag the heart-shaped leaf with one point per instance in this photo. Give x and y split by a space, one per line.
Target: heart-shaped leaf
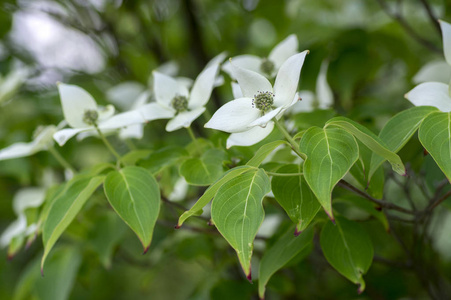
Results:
205 170
135 196
331 152
237 212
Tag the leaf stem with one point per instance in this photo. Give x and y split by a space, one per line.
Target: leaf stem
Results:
294 145
61 159
283 174
108 145
191 134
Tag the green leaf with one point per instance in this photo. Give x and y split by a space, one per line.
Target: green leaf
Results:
163 158
348 248
135 196
263 152
211 192
237 212
64 209
205 170
435 135
331 152
283 250
370 140
295 196
132 157
399 129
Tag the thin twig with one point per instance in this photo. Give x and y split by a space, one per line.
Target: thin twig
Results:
432 17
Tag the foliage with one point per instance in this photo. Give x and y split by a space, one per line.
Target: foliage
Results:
304 170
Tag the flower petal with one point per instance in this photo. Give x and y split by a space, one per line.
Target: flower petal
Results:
154 111
135 131
234 116
201 91
184 119
323 91
166 88
18 150
431 94
287 79
105 112
236 90
217 60
249 137
75 101
16 228
62 136
282 51
250 82
446 35
263 120
438 71
249 62
305 104
123 94
123 119
28 197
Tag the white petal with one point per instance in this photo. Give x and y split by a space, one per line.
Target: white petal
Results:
166 88
123 94
28 197
16 228
217 60
234 116
179 191
184 119
438 71
249 62
141 100
105 112
446 35
123 119
236 90
323 91
62 136
287 79
201 91
431 94
249 137
170 68
282 51
75 102
250 82
17 150
154 111
305 104
135 131
263 120
185 81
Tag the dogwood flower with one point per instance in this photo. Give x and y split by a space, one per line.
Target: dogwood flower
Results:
81 113
249 118
266 66
42 141
185 106
437 94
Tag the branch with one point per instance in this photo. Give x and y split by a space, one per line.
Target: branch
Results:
431 16
381 203
409 30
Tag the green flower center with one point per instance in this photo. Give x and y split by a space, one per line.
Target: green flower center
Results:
267 66
90 116
263 101
180 103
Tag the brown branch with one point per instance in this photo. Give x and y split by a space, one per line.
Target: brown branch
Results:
381 203
433 18
409 30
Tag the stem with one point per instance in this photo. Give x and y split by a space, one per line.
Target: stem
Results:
108 145
207 114
294 145
191 134
61 159
284 174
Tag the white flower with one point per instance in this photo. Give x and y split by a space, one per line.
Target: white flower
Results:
249 118
437 94
266 66
24 199
185 106
80 111
42 140
323 99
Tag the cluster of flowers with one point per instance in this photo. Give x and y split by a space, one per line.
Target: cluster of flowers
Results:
248 117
